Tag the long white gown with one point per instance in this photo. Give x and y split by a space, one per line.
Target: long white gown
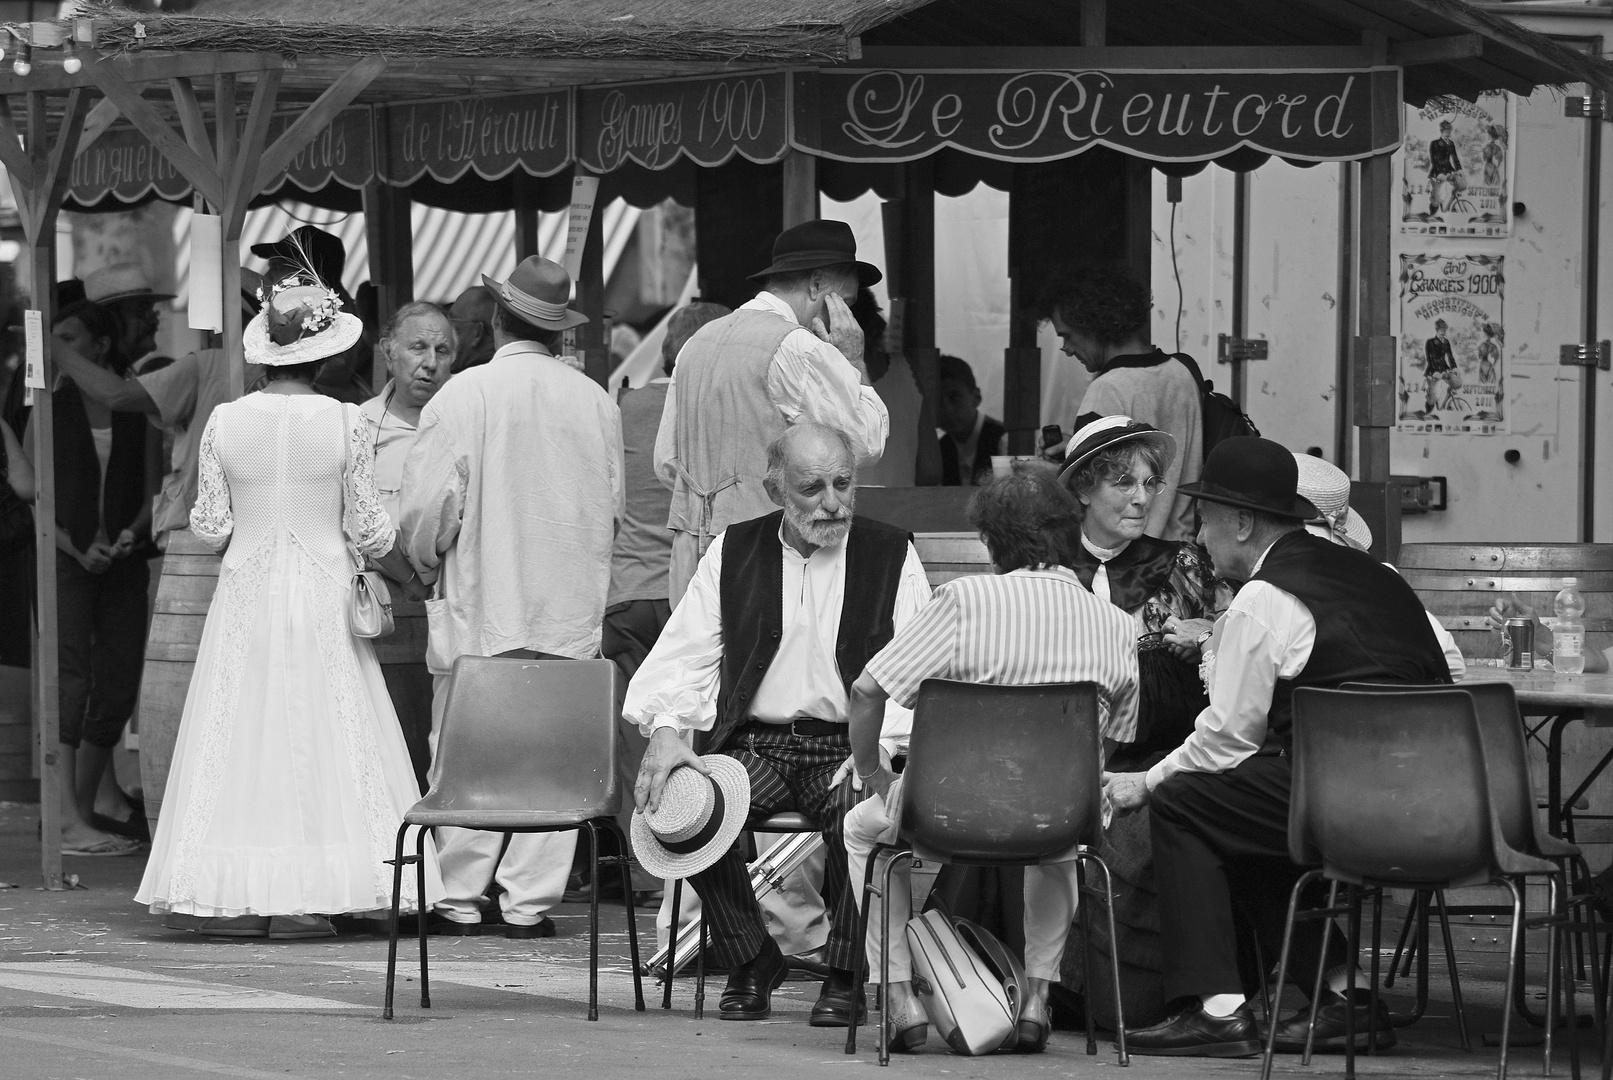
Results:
290 774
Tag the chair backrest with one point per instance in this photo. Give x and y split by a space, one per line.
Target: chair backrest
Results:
1506 755
526 736
1002 774
1390 787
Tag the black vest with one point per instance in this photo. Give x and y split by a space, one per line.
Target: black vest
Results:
1370 626
79 490
752 599
952 470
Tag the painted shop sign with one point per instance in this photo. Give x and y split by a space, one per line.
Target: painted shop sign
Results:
708 120
1044 115
125 163
493 135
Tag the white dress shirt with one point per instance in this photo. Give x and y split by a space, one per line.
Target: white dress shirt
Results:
809 379
677 685
512 491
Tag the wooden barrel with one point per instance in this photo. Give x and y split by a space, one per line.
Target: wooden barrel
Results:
1459 582
189 579
947 555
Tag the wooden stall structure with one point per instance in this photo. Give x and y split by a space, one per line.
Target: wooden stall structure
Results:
747 112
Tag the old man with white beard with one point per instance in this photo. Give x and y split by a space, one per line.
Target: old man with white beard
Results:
757 660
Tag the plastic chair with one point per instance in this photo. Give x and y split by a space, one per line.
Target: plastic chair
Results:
1000 776
1390 789
526 746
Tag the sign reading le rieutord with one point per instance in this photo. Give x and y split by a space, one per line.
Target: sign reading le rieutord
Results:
1043 115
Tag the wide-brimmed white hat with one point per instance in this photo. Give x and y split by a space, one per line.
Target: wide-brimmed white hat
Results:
699 819
1328 488
299 324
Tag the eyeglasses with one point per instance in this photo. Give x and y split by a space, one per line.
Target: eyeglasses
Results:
1128 484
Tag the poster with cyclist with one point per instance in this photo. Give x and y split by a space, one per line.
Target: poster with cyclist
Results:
1457 167
1452 378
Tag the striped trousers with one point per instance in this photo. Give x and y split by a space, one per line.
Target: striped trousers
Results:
787 772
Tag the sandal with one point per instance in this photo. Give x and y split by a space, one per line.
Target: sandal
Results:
1035 1025
112 846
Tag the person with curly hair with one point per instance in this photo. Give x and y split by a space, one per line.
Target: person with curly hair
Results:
1102 315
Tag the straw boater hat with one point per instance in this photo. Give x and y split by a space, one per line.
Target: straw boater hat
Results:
121 281
536 292
813 245
1328 488
1111 431
301 321
1252 473
698 820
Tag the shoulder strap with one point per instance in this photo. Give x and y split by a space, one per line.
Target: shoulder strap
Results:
1192 367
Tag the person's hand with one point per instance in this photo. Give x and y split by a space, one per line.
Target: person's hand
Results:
665 753
124 544
97 558
1508 607
1127 790
848 771
414 589
1182 636
842 332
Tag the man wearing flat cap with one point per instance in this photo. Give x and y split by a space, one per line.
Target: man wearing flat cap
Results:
1312 613
794 353
511 495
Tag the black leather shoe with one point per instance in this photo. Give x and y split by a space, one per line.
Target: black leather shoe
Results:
749 993
834 1006
544 927
438 923
811 964
1330 1026
1195 1033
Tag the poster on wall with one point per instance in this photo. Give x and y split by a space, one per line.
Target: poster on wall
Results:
1457 164
1452 343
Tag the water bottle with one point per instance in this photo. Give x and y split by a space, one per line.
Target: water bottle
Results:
1568 633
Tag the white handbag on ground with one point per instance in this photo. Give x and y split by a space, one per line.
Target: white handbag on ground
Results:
971 986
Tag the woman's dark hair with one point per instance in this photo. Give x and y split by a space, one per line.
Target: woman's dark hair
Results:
1026 518
515 327
100 323
1103 302
1111 463
293 372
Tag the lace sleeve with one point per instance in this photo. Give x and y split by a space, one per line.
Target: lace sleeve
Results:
210 517
366 520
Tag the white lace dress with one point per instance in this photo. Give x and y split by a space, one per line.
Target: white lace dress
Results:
290 774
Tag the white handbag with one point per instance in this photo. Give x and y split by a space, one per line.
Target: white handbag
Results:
369 601
973 1007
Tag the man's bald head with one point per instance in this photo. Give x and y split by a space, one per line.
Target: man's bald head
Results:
812 474
475 303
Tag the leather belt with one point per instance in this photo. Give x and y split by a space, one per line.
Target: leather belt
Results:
809 727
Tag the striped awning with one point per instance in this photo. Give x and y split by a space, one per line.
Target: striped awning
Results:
451 250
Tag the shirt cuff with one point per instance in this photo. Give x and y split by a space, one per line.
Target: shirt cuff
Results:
1155 776
668 721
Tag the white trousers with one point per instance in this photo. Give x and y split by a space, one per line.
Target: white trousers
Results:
1050 895
532 872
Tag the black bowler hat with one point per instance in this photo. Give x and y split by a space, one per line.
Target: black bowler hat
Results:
1252 473
815 244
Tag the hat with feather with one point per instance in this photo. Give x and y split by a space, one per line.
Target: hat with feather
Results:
301 321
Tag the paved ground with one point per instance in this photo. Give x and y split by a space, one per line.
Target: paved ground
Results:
92 987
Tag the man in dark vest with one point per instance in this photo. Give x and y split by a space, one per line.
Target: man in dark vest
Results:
756 662
1312 613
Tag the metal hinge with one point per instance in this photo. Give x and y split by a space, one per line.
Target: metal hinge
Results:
1598 356
1584 108
1229 348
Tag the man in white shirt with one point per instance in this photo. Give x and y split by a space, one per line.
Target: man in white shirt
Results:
783 613
1312 613
793 354
511 495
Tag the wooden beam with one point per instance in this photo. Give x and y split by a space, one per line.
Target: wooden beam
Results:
241 179
203 175
101 117
1094 23
191 119
1374 374
1116 57
14 157
140 67
59 166
224 119
1435 50
800 188
317 117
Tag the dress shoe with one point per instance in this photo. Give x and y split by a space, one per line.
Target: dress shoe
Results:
834 1005
749 993
238 926
814 964
1195 1033
438 923
299 927
1330 1018
1035 1025
544 927
910 1026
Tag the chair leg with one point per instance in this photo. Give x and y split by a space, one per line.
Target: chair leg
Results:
623 865
1352 956
1571 1011
1400 946
1372 981
1321 970
1551 976
885 958
1456 983
421 914
672 944
1514 945
392 928
700 972
593 922
1084 913
859 978
1114 959
1282 972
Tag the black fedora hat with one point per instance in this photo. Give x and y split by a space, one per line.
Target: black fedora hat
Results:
321 251
1252 473
814 244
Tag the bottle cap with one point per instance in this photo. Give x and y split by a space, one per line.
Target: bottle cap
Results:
1570 582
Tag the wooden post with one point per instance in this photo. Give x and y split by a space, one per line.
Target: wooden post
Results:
389 230
800 188
527 216
918 318
1373 380
593 342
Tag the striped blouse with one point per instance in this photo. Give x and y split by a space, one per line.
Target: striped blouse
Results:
1024 627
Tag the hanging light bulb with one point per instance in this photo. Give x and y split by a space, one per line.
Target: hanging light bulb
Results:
70 62
24 62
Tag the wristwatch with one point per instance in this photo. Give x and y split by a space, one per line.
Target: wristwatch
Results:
1204 637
